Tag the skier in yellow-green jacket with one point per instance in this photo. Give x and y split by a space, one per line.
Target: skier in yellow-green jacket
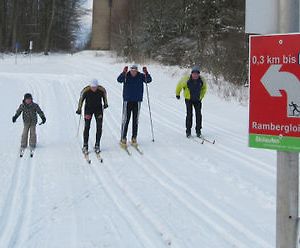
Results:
194 87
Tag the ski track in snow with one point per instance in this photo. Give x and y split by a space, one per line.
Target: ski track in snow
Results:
181 198
179 194
17 202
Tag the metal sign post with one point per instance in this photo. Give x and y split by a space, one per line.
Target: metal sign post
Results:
288 162
287 200
274 121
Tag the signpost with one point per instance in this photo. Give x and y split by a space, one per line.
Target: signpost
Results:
274 102
30 49
17 47
275 92
274 121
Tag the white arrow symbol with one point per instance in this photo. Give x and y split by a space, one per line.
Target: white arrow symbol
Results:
274 80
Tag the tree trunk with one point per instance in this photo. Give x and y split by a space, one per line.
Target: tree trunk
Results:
2 11
14 25
47 40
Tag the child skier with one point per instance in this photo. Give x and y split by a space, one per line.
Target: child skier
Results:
29 109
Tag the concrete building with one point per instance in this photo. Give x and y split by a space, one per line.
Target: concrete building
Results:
106 16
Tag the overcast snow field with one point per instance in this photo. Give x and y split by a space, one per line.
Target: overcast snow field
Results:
179 194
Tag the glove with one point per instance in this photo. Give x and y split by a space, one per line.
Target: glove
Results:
125 70
43 120
105 106
145 70
178 97
78 111
14 119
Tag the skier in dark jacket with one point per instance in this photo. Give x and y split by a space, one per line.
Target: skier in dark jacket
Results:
93 95
29 110
133 90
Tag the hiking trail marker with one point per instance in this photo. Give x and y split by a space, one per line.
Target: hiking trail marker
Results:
274 121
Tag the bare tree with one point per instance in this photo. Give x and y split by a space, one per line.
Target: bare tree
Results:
186 32
49 29
51 24
15 16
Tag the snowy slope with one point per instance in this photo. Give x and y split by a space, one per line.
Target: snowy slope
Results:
180 194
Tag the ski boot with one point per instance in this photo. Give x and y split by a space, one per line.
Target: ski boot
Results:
85 149
97 148
188 135
199 134
32 149
22 151
134 142
123 143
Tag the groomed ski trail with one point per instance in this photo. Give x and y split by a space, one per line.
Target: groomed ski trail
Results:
179 194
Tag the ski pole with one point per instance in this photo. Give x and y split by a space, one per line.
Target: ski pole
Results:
79 125
151 122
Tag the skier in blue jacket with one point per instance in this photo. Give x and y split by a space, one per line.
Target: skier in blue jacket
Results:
133 91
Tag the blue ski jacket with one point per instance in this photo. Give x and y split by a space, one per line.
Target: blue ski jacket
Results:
133 87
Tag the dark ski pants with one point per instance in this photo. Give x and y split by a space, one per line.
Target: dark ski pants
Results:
128 109
189 115
99 120
29 129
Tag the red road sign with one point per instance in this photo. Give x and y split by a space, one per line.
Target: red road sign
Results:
274 121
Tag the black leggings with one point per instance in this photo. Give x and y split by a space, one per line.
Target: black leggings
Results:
99 120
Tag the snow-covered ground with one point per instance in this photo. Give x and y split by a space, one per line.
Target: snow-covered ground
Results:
180 194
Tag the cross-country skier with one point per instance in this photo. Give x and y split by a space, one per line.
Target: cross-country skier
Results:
194 87
93 95
295 107
29 111
133 90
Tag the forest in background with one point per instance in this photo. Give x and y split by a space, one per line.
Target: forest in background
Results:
210 33
50 24
187 32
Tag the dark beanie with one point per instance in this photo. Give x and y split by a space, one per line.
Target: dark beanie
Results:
196 69
27 96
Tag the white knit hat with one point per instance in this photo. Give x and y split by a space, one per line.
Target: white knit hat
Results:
134 67
94 83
